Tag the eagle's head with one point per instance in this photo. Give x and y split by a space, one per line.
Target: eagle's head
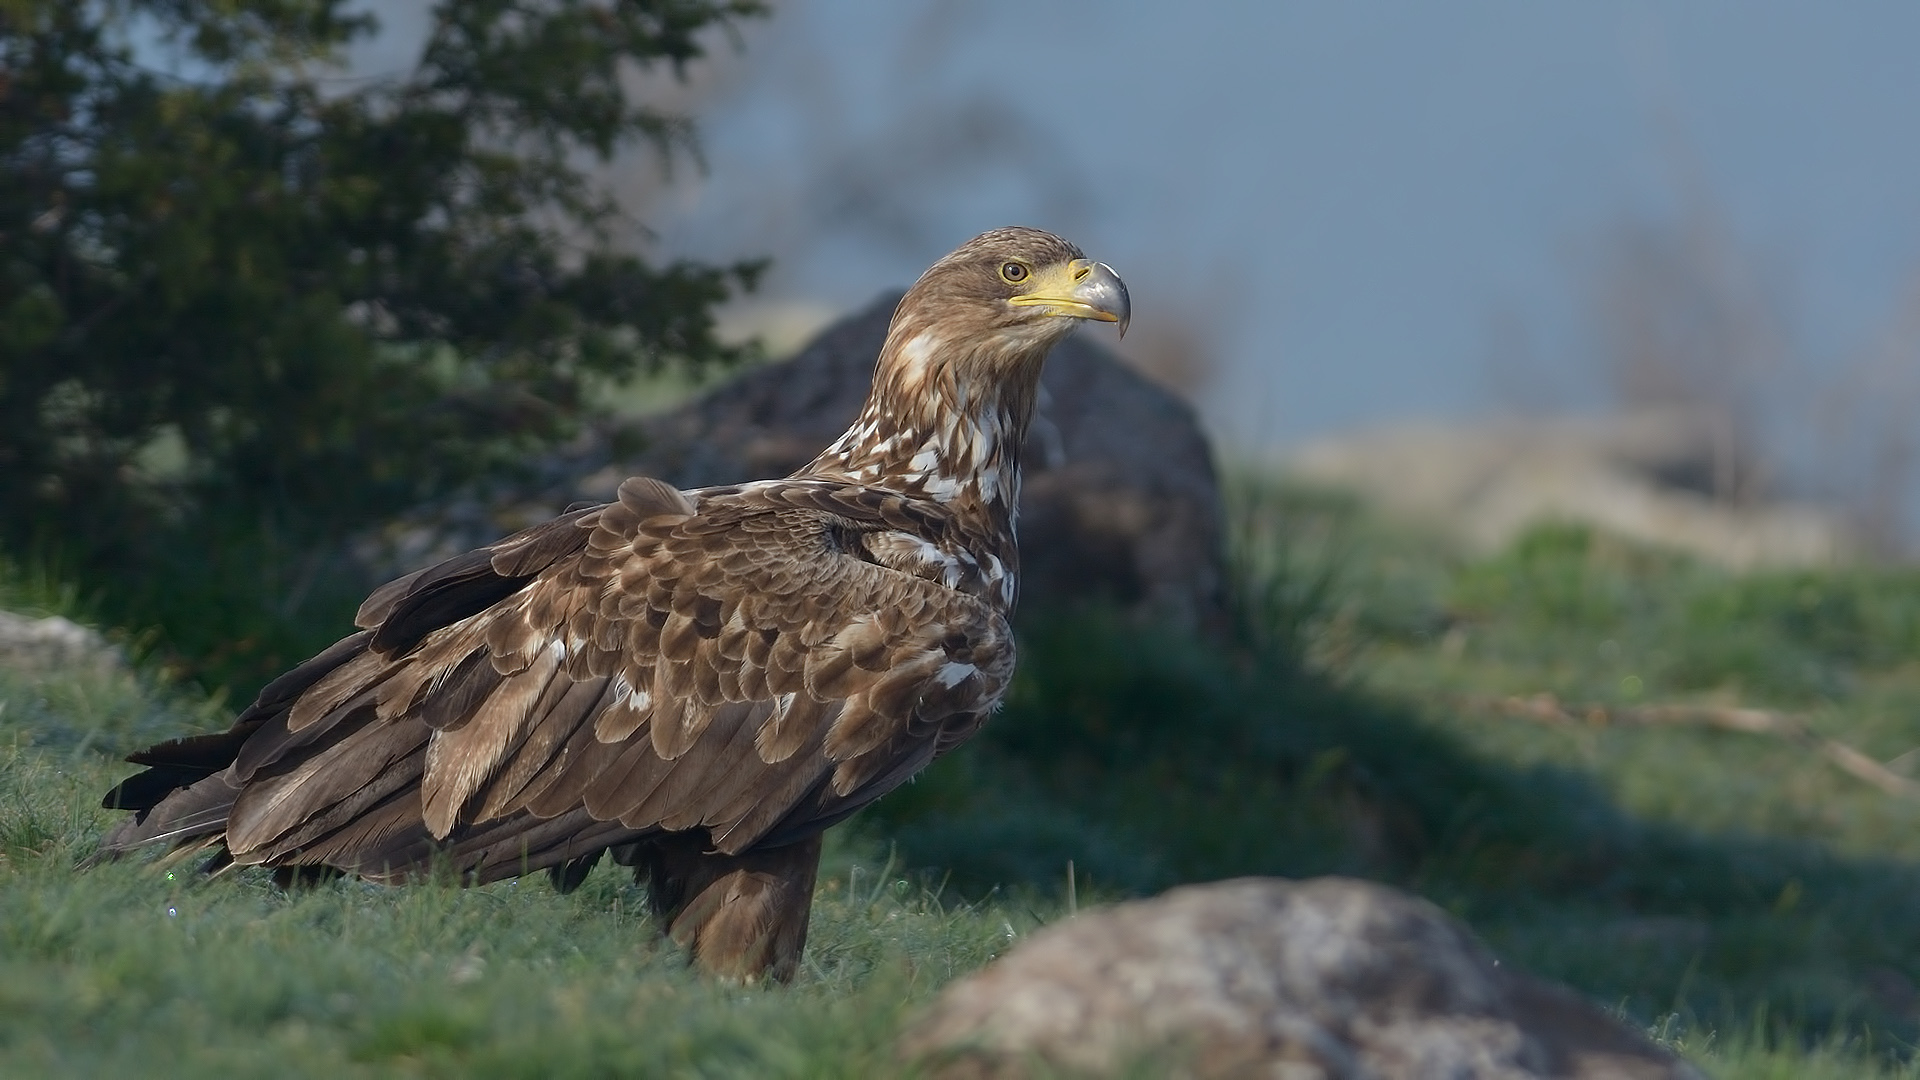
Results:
1009 293
959 375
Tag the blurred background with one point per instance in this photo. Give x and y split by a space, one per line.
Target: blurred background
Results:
1351 216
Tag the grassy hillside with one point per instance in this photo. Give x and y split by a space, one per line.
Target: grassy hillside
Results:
1383 713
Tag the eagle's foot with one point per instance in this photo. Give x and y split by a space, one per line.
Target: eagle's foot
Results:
741 917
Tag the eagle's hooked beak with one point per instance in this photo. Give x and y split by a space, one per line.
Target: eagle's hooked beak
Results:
1080 289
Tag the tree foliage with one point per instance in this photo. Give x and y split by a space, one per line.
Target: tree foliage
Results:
250 304
231 276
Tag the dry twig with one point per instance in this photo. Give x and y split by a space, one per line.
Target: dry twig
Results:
1548 709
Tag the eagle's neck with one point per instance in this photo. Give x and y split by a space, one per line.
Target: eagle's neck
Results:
944 421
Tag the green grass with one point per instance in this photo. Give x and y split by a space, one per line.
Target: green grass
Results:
1738 895
147 969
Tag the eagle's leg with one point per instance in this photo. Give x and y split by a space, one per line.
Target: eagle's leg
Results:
742 917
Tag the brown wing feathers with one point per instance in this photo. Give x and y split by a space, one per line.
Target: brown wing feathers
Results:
644 664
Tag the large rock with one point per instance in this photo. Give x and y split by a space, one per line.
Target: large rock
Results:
1120 501
1328 979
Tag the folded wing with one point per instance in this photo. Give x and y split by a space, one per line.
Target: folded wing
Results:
730 662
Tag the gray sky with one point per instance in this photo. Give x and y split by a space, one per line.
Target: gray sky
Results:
1375 210
1356 195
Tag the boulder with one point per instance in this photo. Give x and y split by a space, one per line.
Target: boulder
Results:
1327 979
1120 501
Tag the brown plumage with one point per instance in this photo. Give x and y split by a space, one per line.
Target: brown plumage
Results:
700 681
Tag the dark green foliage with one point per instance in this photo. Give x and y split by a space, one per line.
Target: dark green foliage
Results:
247 306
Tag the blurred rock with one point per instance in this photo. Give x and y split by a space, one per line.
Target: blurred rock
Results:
53 643
1120 500
1328 979
1645 476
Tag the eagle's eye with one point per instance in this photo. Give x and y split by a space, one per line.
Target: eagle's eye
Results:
1014 273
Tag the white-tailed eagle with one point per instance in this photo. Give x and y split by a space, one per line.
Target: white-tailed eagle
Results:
699 681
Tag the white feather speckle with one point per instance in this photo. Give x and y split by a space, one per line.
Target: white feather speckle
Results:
919 350
996 574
